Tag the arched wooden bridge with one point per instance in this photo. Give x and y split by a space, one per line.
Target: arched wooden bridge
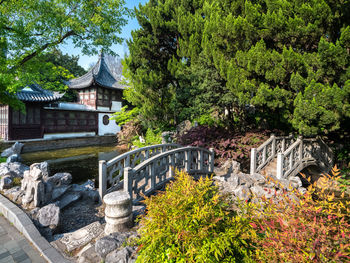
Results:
144 170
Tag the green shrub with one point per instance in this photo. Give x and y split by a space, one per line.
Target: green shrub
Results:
3 159
189 222
209 120
124 116
151 138
313 227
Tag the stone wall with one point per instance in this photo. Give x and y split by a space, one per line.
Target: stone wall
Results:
36 145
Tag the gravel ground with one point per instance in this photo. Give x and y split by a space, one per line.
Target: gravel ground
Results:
80 214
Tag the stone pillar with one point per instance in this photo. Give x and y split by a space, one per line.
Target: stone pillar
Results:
118 212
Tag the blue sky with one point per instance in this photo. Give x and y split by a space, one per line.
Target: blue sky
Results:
85 61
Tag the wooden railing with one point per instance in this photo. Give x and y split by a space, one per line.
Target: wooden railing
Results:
111 172
266 152
155 172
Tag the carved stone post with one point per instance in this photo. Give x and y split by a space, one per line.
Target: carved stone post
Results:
301 147
212 159
252 161
280 158
102 177
128 176
118 212
273 147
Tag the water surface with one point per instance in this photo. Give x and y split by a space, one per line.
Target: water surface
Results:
81 162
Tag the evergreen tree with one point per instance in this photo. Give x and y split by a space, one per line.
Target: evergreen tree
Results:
284 63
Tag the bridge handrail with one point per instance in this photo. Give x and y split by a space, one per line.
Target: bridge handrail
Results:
268 150
301 151
111 172
290 158
153 173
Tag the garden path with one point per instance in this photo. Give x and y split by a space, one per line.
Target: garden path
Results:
14 247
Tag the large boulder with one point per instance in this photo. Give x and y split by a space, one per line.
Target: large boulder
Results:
87 190
183 128
118 256
88 255
57 192
34 188
78 239
15 169
4 169
14 149
105 245
59 179
49 216
15 193
14 158
5 182
229 167
68 198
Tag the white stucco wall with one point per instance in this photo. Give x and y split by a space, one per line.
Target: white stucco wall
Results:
116 105
103 108
110 128
68 135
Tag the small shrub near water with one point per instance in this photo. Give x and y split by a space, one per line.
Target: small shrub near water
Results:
189 222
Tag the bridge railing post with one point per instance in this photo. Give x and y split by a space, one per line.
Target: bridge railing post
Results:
201 161
279 168
151 170
273 146
301 147
283 146
128 175
172 166
102 178
212 160
252 161
187 161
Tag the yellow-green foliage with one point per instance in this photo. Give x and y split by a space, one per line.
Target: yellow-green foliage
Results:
189 222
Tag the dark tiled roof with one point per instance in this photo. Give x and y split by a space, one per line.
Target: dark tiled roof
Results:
99 74
35 93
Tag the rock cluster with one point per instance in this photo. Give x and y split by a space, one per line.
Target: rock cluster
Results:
15 149
46 195
237 185
10 171
90 244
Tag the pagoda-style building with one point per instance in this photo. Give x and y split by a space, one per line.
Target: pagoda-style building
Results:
99 95
99 88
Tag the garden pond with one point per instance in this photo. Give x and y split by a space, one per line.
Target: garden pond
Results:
81 162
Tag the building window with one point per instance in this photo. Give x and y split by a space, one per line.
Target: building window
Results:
105 120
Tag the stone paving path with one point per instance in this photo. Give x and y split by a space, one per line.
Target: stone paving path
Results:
14 247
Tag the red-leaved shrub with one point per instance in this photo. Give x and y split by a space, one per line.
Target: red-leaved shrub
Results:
311 227
226 144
